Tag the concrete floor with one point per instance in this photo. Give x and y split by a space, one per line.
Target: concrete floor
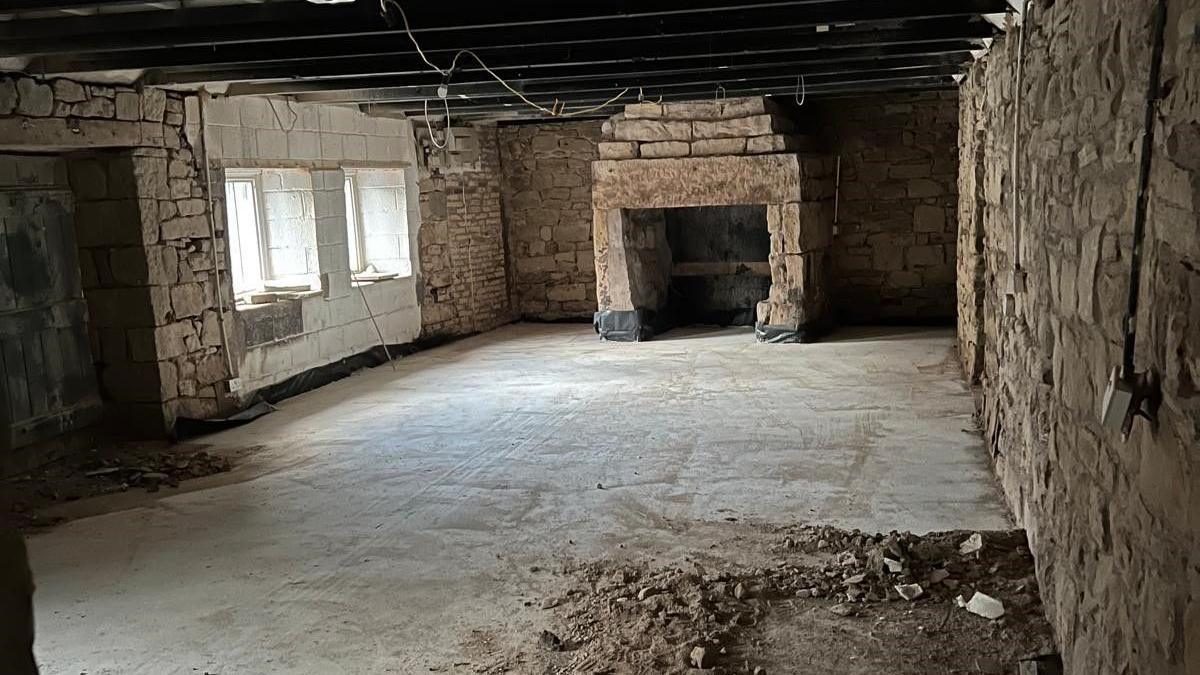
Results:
394 513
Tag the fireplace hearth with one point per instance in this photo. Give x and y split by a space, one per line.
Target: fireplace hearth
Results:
710 212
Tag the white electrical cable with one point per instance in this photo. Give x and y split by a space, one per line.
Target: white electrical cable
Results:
554 111
212 228
429 127
801 93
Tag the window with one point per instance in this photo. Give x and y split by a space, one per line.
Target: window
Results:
244 230
271 230
377 222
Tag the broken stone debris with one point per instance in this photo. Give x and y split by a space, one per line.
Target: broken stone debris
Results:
699 657
649 617
972 544
550 641
985 605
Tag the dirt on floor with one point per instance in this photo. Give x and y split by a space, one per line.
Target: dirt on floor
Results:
798 599
119 467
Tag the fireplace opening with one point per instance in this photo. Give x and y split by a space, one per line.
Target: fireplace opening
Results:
716 268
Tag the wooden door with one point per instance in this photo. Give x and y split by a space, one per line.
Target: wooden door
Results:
47 378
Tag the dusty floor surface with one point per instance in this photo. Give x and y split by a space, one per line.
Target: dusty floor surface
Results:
397 521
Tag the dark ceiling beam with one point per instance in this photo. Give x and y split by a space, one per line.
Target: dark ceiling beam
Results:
516 68
14 6
651 88
272 22
569 44
517 110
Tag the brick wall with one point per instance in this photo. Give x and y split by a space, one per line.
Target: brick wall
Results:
548 208
1113 523
894 257
462 249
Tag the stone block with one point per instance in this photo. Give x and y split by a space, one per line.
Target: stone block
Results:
699 181
33 98
924 187
618 150
757 145
160 343
638 111
8 96
103 108
651 130
718 146
185 227
749 106
929 218
923 256
126 307
664 149
698 110
132 382
566 293
757 125
68 91
188 300
211 369
905 171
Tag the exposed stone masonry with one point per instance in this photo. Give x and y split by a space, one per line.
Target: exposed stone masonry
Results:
548 209
744 126
1113 523
894 256
144 238
796 188
462 247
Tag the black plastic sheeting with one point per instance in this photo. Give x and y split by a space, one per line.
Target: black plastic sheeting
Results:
786 334
262 403
636 325
187 427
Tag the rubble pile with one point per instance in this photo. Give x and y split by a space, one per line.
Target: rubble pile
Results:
903 566
100 472
701 617
156 469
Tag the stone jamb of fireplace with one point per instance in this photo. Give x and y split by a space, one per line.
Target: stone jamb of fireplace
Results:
797 190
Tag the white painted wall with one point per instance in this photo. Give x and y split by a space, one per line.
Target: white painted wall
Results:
325 141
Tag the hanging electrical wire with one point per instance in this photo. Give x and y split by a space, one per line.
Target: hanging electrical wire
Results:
556 109
429 127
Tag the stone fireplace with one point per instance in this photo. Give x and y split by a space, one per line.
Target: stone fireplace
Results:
713 212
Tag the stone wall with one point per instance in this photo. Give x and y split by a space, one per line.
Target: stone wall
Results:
1113 523
547 206
146 252
894 256
463 252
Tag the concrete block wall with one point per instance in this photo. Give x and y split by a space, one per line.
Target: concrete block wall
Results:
894 258
548 208
463 248
291 241
1113 523
315 146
